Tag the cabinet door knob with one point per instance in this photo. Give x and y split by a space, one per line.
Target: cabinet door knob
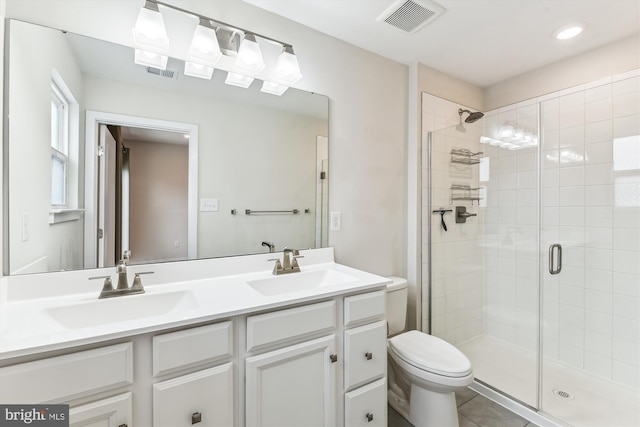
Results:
196 417
369 356
122 425
333 358
369 417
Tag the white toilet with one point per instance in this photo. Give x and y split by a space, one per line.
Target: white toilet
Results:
424 371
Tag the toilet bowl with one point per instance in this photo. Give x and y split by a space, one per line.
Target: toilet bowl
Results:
424 371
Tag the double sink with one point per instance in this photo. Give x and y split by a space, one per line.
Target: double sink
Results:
153 303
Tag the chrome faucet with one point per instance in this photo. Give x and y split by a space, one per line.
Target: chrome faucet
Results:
271 246
123 282
289 262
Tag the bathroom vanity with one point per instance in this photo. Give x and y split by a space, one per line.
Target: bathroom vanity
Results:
218 349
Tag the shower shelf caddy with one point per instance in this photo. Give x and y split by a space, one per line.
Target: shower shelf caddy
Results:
464 156
465 192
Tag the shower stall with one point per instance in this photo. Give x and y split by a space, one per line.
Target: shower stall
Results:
531 250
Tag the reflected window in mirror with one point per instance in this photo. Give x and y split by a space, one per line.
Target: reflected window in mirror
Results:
64 145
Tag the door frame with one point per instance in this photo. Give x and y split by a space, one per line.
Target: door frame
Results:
93 120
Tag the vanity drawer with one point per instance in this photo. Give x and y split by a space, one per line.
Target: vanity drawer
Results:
290 324
364 308
367 405
365 354
64 378
191 347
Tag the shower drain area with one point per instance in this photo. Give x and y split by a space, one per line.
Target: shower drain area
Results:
563 394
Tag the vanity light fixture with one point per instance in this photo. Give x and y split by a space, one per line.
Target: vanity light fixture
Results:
249 60
204 52
240 80
211 40
287 70
273 88
150 37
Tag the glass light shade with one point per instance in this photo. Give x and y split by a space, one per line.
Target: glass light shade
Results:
197 70
287 70
274 88
204 49
249 60
151 59
235 79
149 32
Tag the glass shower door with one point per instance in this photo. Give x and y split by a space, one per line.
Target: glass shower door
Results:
484 268
589 255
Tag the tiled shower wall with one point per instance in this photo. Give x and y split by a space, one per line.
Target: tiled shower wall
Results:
456 289
485 272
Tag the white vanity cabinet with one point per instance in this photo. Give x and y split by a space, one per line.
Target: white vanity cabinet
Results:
204 397
295 383
109 412
72 377
365 360
314 362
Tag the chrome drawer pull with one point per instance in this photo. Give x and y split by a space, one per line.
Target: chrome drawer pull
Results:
196 417
369 356
369 417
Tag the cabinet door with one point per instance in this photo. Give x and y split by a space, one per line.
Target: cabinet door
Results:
367 405
203 399
111 412
293 386
365 354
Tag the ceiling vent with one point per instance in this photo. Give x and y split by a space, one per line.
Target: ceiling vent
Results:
169 74
411 15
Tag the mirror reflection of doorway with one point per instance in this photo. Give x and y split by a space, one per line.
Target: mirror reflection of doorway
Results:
143 203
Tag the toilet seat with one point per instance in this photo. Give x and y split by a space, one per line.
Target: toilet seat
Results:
430 354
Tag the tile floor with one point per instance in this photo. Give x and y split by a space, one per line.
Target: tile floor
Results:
474 410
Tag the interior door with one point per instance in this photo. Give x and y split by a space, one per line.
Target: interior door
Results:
106 198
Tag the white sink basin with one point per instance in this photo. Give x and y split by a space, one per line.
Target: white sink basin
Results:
302 281
119 309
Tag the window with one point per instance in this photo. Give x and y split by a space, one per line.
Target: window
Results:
59 147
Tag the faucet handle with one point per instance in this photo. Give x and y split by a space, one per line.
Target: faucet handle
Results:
137 281
107 287
277 268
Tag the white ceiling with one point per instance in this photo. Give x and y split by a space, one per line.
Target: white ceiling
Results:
483 42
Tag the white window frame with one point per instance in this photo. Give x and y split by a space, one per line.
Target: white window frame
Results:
60 151
68 151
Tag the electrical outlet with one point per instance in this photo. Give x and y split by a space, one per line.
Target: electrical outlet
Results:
336 221
208 205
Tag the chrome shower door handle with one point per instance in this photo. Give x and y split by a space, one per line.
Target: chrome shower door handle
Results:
555 248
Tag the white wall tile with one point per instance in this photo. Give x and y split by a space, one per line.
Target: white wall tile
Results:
599 152
599 110
598 132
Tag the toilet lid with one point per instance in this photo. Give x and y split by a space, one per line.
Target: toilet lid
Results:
430 354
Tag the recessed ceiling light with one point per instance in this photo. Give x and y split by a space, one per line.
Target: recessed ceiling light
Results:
568 31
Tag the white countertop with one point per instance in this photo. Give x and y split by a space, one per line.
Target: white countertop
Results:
28 327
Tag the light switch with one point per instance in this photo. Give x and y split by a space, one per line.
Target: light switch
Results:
208 205
336 221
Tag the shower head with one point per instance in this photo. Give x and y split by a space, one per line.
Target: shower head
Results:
473 116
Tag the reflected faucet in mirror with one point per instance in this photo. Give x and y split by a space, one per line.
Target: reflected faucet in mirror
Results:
271 246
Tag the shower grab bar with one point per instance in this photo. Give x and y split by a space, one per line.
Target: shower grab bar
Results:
553 249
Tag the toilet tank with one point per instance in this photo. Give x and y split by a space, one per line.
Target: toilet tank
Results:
397 293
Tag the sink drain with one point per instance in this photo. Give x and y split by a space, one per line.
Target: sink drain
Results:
563 394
